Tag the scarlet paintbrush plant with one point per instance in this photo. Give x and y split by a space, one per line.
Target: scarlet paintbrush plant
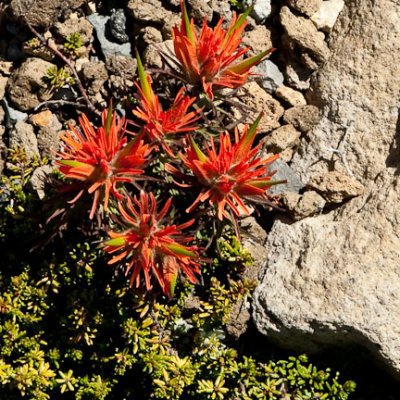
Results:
210 59
229 176
161 126
151 246
101 159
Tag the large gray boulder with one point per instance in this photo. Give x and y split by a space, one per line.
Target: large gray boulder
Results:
335 277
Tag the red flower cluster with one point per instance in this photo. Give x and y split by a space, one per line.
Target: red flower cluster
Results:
151 246
230 175
160 126
101 159
210 59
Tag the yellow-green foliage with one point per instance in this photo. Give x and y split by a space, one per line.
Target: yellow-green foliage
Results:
73 43
70 328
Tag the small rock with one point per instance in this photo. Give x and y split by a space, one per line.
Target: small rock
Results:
108 48
336 187
39 13
258 39
169 23
258 100
3 84
200 9
327 14
302 117
6 68
74 24
117 26
307 7
122 66
150 35
26 87
39 179
284 172
94 75
303 206
151 55
261 10
23 135
13 114
291 96
271 77
122 72
148 11
42 119
297 75
49 132
222 8
285 137
253 240
304 33
238 319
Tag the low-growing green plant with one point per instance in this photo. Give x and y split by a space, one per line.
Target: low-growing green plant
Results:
73 43
58 77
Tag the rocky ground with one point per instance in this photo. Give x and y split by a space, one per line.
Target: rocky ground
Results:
328 265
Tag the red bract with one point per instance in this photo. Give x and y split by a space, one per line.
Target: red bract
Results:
229 176
151 247
101 159
208 59
161 125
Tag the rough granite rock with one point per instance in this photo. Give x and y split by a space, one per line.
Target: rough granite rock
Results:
26 88
3 85
335 186
285 137
48 135
269 76
39 178
42 13
304 34
148 11
23 135
285 173
290 96
334 278
307 7
303 206
262 9
200 9
258 39
94 75
258 100
302 117
74 24
327 14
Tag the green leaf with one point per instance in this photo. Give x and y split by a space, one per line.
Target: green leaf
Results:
200 155
72 163
115 242
109 118
144 83
246 64
180 250
241 20
188 27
